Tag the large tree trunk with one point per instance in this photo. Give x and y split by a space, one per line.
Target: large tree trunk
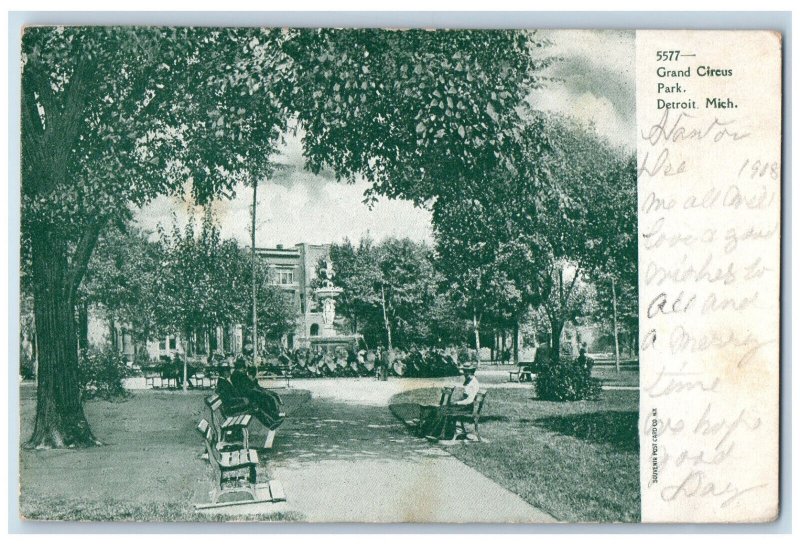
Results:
555 340
60 420
515 341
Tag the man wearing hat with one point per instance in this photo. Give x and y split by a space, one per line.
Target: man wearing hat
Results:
435 424
232 400
470 388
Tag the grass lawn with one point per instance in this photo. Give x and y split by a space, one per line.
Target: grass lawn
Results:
578 461
149 468
626 376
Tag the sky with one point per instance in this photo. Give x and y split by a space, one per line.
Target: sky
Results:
593 82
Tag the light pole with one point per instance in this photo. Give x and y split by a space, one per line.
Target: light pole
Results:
253 273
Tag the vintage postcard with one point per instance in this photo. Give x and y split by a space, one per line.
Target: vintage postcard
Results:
375 275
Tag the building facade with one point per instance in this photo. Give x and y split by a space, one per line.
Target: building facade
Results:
294 270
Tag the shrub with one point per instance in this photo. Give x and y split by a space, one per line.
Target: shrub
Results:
101 373
566 381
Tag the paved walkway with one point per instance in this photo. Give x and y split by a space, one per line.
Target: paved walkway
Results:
343 457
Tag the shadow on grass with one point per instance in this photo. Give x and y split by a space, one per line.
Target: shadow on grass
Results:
617 429
406 413
329 430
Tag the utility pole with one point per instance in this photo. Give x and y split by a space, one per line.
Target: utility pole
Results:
253 266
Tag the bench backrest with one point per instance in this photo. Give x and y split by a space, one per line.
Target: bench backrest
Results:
447 393
210 439
214 404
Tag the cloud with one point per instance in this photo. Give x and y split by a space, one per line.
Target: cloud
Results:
311 209
594 81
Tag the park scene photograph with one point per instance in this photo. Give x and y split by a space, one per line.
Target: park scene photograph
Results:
328 275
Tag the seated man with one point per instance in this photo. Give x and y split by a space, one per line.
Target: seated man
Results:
435 424
266 404
232 401
470 389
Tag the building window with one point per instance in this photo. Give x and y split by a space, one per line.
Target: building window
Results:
172 343
283 277
314 330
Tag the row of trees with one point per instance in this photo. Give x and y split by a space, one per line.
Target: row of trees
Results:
554 238
392 293
562 214
184 280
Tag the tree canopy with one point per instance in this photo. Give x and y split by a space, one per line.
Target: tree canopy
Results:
419 112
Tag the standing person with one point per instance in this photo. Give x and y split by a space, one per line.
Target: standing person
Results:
584 362
387 362
378 362
369 362
177 367
284 361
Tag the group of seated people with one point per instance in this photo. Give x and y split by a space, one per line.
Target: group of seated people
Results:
240 392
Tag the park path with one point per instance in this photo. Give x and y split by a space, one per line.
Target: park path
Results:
343 457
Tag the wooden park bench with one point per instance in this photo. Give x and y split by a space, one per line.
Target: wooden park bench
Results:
425 410
522 373
235 467
235 471
454 413
170 376
231 430
151 373
232 423
206 377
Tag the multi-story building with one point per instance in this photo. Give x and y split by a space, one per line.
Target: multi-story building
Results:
294 269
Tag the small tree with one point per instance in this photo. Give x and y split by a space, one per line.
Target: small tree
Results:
205 283
388 289
566 299
277 311
121 281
